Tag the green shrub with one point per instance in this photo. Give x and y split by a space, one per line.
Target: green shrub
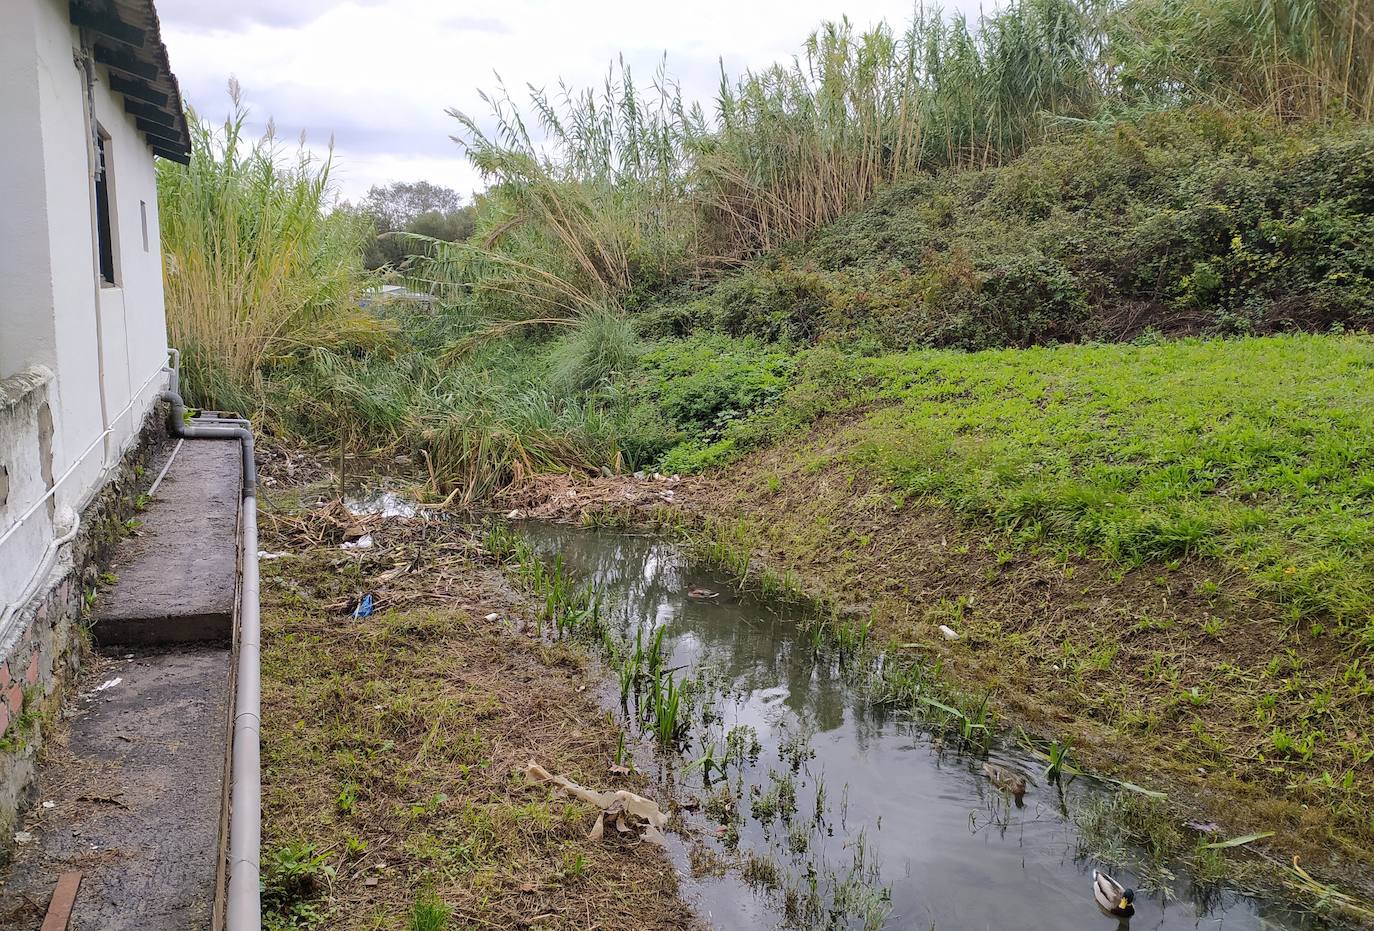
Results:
294 880
689 395
706 381
602 347
773 302
694 456
1191 222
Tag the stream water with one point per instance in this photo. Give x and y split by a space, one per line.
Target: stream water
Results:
834 813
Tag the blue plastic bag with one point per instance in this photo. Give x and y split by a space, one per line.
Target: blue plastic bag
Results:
364 607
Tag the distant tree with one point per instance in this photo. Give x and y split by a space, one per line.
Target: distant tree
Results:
453 226
397 204
411 207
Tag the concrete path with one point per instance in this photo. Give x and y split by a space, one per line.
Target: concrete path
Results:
176 578
131 800
131 790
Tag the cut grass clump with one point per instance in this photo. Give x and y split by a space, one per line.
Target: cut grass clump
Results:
430 914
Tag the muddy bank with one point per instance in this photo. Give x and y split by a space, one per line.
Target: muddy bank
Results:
394 743
1169 676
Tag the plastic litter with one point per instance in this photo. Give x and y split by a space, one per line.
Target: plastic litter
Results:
387 504
619 806
949 632
109 683
364 607
361 543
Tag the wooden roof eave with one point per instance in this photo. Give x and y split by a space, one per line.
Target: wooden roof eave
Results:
126 38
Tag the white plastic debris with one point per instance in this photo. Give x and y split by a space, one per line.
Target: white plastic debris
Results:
387 504
263 554
513 515
23 837
617 805
109 683
493 616
49 804
361 543
949 632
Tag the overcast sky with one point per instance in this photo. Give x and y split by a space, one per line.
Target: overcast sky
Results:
377 75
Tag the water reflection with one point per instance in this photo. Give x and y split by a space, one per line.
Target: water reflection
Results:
849 816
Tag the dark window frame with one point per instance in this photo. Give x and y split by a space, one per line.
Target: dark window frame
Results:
104 216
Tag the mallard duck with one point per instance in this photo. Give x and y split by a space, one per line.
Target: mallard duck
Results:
1112 897
702 593
1007 780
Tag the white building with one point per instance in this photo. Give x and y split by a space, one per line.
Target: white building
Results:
87 101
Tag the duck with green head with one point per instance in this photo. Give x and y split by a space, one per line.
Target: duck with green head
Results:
1112 897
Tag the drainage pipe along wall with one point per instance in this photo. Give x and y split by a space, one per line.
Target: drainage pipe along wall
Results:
243 910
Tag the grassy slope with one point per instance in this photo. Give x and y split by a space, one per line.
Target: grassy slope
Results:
1162 551
1259 452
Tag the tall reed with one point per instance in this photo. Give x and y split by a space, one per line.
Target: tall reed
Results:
797 145
255 268
1296 59
621 191
595 197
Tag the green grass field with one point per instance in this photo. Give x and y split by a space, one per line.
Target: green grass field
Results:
1258 452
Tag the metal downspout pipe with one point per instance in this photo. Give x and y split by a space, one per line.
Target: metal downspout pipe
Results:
243 911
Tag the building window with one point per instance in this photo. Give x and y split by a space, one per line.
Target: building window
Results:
104 218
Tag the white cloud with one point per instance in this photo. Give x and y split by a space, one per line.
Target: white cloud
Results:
377 75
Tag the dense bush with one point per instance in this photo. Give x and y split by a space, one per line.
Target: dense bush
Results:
1193 222
689 398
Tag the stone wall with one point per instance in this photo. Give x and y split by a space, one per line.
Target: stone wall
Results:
43 652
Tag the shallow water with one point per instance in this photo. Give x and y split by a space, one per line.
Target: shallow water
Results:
908 832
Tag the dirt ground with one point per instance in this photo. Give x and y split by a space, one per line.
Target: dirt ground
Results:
1172 677
395 744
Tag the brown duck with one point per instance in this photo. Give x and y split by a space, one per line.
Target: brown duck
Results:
1007 780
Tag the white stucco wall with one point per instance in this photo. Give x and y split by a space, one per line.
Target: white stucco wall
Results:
54 311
